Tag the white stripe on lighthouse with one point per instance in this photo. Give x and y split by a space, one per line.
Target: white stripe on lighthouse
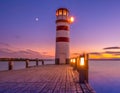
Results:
62 51
62 33
62 23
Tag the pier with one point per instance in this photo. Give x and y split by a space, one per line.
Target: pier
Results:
43 79
67 78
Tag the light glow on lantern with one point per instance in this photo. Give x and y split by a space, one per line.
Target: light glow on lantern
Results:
73 60
82 61
72 19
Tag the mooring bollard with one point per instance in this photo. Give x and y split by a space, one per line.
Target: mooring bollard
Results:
37 63
10 65
42 62
27 63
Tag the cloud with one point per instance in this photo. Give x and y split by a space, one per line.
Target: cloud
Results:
111 48
2 44
4 52
95 53
45 53
17 37
75 53
113 52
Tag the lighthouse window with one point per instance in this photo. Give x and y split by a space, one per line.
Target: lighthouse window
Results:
64 12
60 12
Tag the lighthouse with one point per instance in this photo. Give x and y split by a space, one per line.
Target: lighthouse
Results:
62 36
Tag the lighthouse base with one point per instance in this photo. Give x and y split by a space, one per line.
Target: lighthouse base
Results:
57 61
67 61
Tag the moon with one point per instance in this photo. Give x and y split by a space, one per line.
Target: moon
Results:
36 19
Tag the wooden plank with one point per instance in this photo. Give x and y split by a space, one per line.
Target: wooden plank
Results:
42 79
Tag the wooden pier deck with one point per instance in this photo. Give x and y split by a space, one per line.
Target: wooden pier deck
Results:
42 79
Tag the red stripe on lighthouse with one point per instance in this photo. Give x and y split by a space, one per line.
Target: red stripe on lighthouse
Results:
62 28
62 20
62 39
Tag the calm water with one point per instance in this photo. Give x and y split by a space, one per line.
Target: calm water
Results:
20 65
104 76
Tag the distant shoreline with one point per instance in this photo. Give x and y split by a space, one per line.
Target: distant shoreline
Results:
104 59
23 59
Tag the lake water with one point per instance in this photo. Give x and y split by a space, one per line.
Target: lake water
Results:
104 76
21 65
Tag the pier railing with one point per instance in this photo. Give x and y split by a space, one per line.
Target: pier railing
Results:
80 64
26 60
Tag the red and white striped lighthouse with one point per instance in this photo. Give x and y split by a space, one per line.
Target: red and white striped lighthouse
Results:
62 36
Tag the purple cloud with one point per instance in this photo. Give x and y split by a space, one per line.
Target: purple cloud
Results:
75 53
2 44
95 53
22 54
107 52
111 48
113 52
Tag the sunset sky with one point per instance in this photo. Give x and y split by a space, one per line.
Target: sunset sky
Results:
28 29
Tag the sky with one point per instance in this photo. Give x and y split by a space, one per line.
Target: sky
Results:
28 29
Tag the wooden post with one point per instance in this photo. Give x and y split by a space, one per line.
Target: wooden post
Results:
75 64
78 62
86 67
37 63
10 65
83 69
27 63
70 62
81 76
42 62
